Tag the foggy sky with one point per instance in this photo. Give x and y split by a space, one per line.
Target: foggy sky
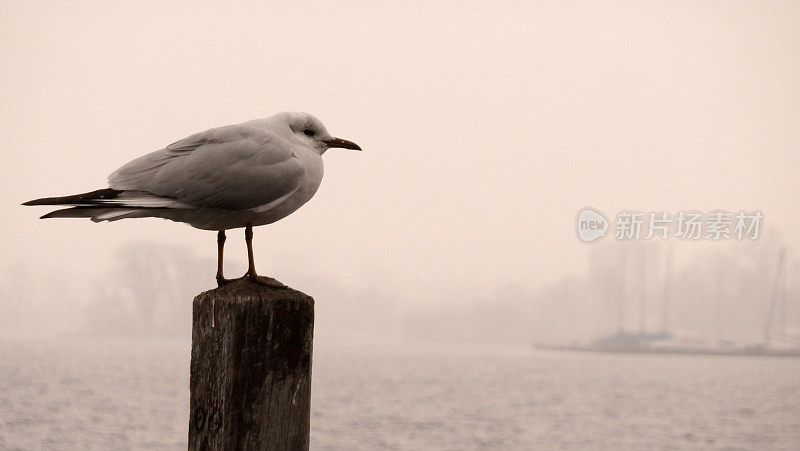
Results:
485 128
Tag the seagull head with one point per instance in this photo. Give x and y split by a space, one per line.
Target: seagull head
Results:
307 130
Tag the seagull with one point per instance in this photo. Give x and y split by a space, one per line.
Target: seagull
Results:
228 177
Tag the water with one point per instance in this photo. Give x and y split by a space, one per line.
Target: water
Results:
115 394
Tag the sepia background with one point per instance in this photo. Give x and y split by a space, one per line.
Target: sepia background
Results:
441 254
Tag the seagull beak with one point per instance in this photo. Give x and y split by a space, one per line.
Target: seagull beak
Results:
342 143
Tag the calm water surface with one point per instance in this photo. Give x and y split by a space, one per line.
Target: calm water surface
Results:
118 394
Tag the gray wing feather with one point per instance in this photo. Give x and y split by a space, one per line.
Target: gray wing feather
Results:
236 167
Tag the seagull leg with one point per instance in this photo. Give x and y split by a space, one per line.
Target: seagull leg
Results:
251 265
221 280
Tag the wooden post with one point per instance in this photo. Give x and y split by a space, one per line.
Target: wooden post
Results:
251 368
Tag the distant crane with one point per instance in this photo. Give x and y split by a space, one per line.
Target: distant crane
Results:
667 289
778 301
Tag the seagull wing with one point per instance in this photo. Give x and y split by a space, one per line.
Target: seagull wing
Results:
236 167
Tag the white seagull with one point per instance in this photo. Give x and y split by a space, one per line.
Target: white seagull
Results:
244 175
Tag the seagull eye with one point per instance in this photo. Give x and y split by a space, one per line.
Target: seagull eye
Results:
308 132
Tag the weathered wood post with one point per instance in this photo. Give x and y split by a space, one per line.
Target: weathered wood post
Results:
251 368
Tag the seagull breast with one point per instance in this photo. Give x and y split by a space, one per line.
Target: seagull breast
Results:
307 185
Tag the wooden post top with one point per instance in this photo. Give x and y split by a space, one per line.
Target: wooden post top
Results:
251 368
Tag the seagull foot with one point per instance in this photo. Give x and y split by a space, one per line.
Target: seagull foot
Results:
266 281
221 281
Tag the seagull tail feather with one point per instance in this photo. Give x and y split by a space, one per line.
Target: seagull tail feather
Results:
90 198
96 214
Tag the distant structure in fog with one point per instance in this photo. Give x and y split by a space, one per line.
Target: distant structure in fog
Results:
717 298
778 301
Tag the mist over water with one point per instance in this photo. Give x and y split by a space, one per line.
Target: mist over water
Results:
716 291
114 370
